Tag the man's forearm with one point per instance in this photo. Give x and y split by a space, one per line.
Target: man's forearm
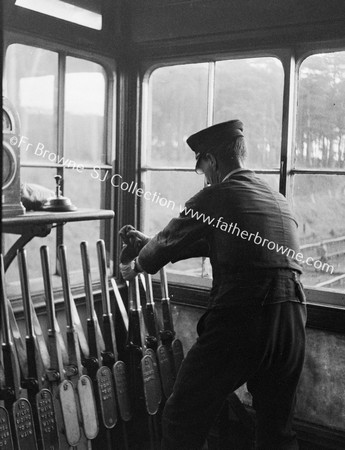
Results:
154 255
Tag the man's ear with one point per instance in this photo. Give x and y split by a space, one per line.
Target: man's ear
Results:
213 160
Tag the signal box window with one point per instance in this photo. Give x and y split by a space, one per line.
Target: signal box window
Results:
319 169
61 104
183 99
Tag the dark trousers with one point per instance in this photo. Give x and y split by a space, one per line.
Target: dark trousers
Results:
260 345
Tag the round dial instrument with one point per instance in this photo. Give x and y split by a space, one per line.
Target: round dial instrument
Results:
9 165
6 123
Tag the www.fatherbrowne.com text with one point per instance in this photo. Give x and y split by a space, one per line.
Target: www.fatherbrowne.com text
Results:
234 229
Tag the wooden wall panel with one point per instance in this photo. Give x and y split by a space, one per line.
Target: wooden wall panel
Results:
320 398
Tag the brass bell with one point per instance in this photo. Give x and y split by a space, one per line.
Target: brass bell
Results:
59 203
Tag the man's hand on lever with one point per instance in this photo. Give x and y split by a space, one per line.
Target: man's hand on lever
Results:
130 270
133 237
134 240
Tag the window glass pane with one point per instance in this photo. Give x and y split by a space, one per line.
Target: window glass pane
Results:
178 108
252 90
33 258
166 193
74 233
30 83
40 176
64 9
194 267
84 192
319 204
320 132
82 189
84 111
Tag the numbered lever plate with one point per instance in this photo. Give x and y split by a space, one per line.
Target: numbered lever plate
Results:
106 396
47 420
6 442
122 392
69 412
150 383
24 425
88 407
152 354
165 369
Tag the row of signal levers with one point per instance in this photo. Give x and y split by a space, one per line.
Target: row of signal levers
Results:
83 392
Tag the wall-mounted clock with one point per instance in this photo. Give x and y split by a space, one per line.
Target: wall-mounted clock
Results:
11 204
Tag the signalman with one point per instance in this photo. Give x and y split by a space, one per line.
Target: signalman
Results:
254 328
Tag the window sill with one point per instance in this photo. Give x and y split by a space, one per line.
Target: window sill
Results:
319 296
326 308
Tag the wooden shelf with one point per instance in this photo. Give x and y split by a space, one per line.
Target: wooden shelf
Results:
40 223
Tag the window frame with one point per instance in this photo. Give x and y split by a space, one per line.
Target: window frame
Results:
317 295
291 58
106 200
